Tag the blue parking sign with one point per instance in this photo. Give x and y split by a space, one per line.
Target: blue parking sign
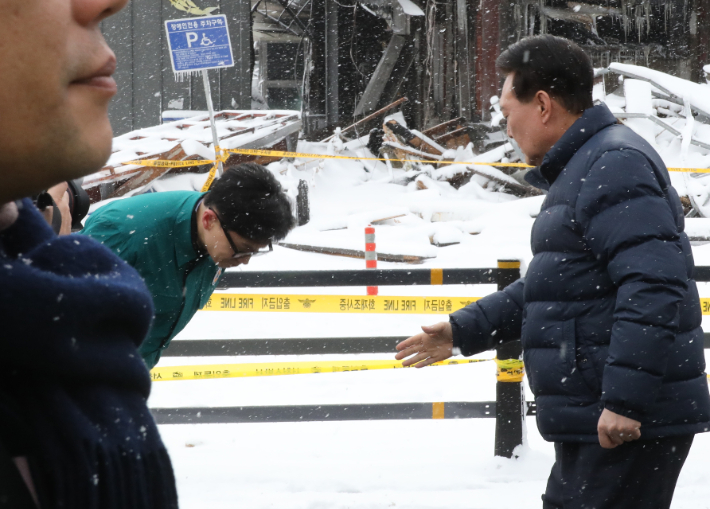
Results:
199 43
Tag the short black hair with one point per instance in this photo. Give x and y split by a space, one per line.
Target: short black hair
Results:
251 202
552 64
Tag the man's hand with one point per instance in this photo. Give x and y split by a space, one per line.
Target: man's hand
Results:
615 429
8 215
435 344
61 199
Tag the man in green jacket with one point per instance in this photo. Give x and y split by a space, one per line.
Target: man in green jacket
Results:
180 241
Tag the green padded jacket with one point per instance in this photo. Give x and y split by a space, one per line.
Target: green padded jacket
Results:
153 233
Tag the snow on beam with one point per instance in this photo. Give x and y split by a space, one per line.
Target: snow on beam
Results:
677 88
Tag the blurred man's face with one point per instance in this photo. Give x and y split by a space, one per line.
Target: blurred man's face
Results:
55 86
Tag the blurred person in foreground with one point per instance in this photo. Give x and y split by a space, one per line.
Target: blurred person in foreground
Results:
608 312
179 241
75 430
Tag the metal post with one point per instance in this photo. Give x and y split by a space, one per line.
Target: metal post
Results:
215 139
464 74
510 399
331 63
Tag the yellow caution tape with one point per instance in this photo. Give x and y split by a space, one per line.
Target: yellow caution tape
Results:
690 170
162 163
207 372
222 157
373 304
336 303
300 155
210 179
510 370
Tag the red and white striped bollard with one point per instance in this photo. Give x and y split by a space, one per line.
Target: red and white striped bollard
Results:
370 255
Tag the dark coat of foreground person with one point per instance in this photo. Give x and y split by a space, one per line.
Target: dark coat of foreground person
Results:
608 312
73 387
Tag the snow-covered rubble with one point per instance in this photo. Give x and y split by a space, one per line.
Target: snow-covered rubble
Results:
184 140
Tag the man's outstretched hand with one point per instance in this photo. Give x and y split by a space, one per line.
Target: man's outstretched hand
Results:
615 429
435 344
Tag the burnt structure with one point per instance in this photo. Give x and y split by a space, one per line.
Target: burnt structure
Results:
356 57
340 60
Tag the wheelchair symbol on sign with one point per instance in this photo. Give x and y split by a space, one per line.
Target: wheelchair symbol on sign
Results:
192 37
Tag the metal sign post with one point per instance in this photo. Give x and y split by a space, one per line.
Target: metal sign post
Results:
199 44
208 95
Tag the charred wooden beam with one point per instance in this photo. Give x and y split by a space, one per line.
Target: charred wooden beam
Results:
445 127
353 253
458 138
396 51
488 49
314 94
513 188
394 128
404 152
369 118
464 63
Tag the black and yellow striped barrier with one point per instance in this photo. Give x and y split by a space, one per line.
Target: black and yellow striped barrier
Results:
291 346
348 412
370 277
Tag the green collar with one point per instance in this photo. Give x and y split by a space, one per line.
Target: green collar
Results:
184 249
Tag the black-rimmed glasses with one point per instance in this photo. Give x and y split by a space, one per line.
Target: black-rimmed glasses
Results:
237 253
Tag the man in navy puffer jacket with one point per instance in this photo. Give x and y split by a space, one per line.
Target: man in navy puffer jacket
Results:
608 312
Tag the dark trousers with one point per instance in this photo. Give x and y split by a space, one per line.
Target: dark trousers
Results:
638 475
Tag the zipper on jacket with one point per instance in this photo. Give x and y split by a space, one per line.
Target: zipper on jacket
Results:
191 266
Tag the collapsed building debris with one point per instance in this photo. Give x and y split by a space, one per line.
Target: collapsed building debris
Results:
346 64
340 60
186 140
441 55
359 56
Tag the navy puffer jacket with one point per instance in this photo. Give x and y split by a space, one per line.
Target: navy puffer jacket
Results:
608 312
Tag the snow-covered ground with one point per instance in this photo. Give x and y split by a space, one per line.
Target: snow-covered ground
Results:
356 464
375 464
